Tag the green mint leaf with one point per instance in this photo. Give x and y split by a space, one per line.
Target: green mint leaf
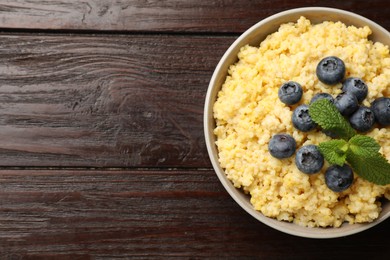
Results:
363 145
334 151
364 157
326 115
374 168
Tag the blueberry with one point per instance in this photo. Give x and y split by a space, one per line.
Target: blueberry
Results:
302 120
309 159
290 93
338 178
362 119
322 96
282 146
357 87
346 103
330 133
381 109
330 70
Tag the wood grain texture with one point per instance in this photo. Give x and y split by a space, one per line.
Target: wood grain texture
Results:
112 101
146 214
163 16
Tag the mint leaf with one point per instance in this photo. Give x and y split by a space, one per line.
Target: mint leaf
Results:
326 115
363 145
334 151
374 168
364 157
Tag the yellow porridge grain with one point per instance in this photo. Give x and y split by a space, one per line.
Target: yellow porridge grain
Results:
248 112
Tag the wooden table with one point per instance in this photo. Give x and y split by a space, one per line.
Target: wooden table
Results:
102 147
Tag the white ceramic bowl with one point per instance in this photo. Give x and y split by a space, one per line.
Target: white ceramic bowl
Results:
253 36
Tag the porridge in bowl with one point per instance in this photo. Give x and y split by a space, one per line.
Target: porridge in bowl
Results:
248 113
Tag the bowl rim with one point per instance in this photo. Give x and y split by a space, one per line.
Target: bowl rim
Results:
236 194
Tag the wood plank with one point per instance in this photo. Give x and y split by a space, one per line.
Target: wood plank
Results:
146 214
154 15
112 101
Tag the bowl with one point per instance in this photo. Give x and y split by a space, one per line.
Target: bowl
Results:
253 36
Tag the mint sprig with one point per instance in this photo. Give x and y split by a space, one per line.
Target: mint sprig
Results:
326 115
359 151
334 151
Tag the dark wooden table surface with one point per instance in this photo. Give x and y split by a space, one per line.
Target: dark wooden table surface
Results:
102 153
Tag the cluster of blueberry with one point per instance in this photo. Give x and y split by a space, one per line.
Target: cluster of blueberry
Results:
308 159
